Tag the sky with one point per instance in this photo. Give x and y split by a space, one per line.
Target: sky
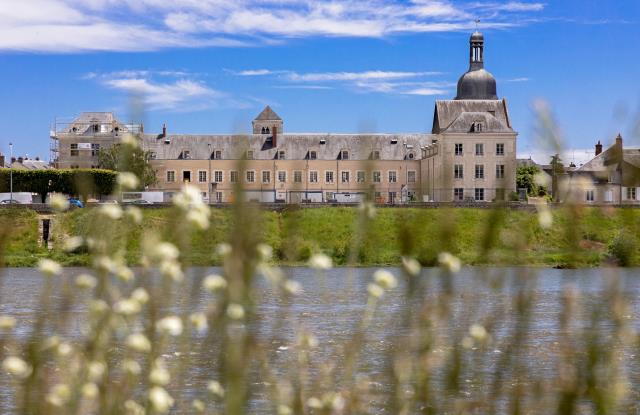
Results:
210 66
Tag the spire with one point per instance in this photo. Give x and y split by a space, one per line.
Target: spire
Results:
476 51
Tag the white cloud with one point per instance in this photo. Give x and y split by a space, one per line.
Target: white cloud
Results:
143 25
355 76
520 79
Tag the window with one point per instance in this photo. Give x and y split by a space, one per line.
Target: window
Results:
249 154
458 149
313 177
476 127
376 177
202 176
393 177
500 194
282 176
313 155
152 155
499 171
217 176
458 171
328 177
590 196
411 156
458 194
360 176
186 176
281 155
95 149
479 195
297 176
344 176
392 197
216 155
234 176
219 197
171 176
500 149
375 155
329 196
631 193
479 171
411 176
266 176
186 154
479 149
608 196
74 149
251 176
344 155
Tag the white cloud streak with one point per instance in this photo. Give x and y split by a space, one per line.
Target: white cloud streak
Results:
71 26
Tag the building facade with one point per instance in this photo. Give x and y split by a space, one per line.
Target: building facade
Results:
469 154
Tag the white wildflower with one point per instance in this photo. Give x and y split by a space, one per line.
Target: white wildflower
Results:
58 202
105 264
59 395
72 243
138 342
127 307
90 390
96 371
7 322
16 367
385 279
478 332
111 211
545 218
51 343
542 179
449 262
188 198
159 374
86 281
140 295
320 261
411 266
129 140
127 180
98 307
64 349
198 219
223 249
307 340
467 342
171 325
124 273
265 252
214 283
199 321
314 403
133 408
215 388
49 268
198 405
284 410
160 400
368 209
235 312
134 213
375 290
292 287
166 251
131 367
273 274
171 269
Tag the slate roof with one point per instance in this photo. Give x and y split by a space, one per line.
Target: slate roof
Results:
84 122
268 114
296 146
456 116
612 160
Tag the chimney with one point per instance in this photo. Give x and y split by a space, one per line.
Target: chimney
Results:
13 160
598 148
20 160
274 139
164 130
1 160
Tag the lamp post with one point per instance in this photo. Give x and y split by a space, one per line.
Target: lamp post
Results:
11 173
209 174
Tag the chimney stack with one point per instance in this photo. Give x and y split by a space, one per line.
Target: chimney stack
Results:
598 148
274 139
1 160
164 130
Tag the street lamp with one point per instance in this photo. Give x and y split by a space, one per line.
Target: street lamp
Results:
11 173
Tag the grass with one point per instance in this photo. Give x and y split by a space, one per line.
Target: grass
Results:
578 238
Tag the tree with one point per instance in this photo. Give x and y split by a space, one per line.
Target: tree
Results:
557 169
525 179
127 158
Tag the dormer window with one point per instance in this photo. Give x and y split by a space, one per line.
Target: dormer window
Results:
95 128
216 155
323 141
313 155
375 155
281 155
249 155
410 156
394 141
477 127
344 155
185 155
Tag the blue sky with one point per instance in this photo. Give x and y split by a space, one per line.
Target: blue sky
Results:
209 66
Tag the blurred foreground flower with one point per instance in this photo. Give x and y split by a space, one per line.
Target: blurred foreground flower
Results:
411 266
58 202
127 181
320 262
214 283
235 312
160 400
171 325
49 268
449 262
16 367
385 279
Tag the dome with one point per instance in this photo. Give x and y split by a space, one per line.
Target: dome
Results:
477 84
477 36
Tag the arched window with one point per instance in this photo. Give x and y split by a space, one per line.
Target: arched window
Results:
267 130
411 156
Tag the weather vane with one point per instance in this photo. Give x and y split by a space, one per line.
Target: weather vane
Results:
477 21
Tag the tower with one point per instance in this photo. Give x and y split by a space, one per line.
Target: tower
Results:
476 83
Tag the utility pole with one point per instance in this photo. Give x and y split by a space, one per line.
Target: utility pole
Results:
11 173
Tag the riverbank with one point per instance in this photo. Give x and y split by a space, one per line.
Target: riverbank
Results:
585 237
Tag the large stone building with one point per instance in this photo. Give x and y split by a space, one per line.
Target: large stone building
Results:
470 154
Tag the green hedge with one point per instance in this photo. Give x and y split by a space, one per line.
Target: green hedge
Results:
79 182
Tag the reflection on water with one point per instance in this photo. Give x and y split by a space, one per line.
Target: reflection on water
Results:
331 307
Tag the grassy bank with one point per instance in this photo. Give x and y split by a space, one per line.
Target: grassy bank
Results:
578 238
